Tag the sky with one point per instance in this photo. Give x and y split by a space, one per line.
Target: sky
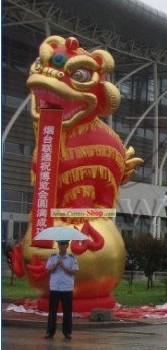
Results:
157 4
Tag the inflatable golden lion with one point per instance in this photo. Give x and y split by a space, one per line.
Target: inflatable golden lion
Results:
92 164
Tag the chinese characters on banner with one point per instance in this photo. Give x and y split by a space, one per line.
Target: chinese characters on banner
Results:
47 172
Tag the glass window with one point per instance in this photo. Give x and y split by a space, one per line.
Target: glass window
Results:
12 206
19 230
140 132
147 172
125 128
24 226
18 148
12 195
162 136
125 88
151 90
163 101
119 127
12 101
119 218
16 232
4 232
149 134
11 147
26 207
17 202
164 83
143 225
140 171
28 149
164 172
164 228
27 197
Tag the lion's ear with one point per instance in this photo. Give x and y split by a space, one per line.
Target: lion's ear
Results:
104 59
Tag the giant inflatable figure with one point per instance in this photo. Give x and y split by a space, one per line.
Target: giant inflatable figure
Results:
91 165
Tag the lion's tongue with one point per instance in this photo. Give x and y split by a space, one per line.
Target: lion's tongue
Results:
97 242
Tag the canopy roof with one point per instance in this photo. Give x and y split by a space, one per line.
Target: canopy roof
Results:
131 18
133 32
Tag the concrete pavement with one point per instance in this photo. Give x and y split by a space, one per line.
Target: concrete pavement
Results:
25 331
148 337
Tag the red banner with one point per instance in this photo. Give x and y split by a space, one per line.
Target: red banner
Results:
46 172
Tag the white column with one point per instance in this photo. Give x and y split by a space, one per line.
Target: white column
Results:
156 221
47 29
155 130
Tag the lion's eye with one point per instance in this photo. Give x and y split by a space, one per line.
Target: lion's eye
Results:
81 75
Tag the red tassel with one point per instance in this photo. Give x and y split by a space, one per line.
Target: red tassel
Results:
17 260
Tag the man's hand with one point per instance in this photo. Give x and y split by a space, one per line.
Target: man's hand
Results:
57 263
67 269
61 264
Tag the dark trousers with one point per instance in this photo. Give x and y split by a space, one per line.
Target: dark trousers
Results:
66 300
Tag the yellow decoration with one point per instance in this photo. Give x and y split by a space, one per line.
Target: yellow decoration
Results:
92 164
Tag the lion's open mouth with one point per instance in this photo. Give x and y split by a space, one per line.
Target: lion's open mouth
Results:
48 99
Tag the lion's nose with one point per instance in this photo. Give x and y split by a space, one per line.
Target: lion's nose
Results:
60 75
50 72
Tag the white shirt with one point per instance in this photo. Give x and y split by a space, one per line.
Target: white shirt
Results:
59 279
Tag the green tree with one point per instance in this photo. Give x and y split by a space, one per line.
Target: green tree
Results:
7 251
130 245
149 255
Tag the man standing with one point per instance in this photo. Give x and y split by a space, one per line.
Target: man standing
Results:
62 268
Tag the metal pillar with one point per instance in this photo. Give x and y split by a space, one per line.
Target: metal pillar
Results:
160 184
155 129
156 221
47 29
161 168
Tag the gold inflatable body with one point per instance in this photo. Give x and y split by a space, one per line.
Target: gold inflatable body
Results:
93 163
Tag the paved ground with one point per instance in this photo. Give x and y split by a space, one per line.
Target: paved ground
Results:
26 332
147 337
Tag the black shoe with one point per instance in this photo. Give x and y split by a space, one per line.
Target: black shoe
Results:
67 336
48 336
